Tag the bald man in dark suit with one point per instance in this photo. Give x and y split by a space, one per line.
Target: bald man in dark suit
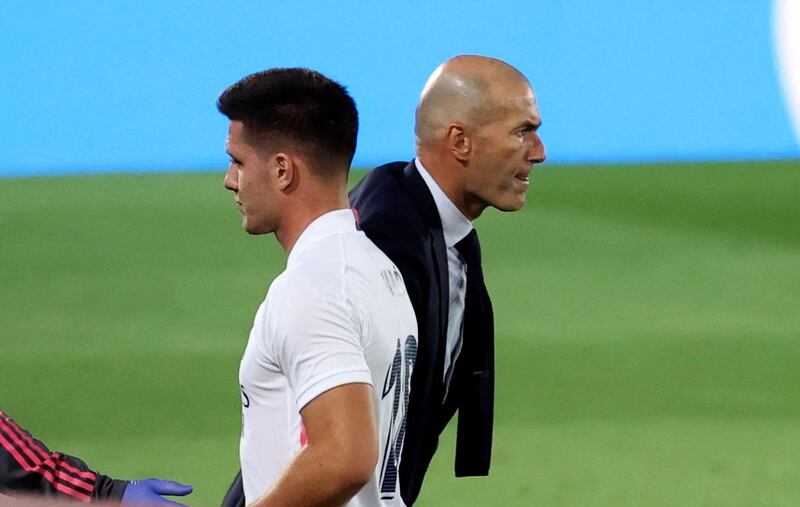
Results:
477 142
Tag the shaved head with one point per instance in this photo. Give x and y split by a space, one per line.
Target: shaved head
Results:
466 89
477 133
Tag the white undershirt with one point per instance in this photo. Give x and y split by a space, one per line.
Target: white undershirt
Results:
455 227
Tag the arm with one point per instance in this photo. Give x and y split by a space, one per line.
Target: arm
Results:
28 466
341 454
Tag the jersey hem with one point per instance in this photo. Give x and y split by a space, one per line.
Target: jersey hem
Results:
329 382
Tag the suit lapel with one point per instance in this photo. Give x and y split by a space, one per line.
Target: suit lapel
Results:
426 207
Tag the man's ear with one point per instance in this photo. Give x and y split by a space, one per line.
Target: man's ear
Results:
285 170
459 143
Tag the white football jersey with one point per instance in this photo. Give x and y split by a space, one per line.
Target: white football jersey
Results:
338 314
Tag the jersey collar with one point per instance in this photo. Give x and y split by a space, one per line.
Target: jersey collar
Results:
332 222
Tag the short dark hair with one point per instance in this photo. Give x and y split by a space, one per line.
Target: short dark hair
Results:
299 106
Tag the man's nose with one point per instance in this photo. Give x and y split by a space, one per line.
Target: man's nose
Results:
231 182
537 153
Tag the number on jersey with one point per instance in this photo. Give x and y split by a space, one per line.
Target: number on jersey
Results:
398 384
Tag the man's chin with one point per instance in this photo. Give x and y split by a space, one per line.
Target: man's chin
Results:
255 229
513 205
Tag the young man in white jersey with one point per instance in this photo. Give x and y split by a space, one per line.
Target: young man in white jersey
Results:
326 372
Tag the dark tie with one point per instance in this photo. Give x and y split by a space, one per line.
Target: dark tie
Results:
474 376
469 248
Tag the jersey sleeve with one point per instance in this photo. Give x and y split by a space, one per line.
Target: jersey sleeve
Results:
316 340
28 466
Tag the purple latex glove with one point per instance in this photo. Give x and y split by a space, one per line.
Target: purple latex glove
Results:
149 491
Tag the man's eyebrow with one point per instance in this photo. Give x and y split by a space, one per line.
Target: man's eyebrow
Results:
528 124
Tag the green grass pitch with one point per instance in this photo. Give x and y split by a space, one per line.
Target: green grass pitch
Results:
648 332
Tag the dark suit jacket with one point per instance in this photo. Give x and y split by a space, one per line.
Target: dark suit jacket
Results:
398 213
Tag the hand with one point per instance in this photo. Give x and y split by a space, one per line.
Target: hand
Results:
149 491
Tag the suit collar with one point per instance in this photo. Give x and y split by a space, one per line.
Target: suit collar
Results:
455 225
419 192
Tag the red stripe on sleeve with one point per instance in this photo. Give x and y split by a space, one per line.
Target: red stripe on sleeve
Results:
86 474
63 488
41 468
71 492
51 465
10 425
13 452
15 439
30 443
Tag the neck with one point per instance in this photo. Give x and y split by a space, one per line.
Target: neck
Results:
305 207
447 172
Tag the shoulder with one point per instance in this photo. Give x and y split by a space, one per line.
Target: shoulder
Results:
313 276
382 188
384 176
384 203
327 269
304 299
317 271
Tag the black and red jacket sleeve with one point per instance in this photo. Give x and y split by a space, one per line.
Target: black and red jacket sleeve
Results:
28 466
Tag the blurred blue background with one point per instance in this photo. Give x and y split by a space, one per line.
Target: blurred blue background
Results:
131 86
